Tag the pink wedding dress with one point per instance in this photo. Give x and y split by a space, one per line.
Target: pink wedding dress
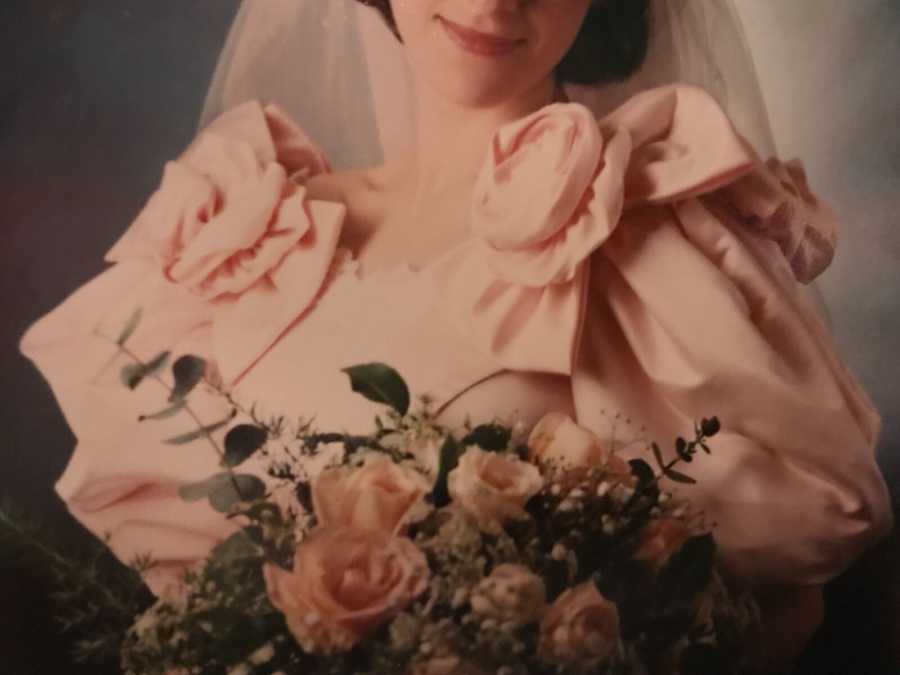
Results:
647 265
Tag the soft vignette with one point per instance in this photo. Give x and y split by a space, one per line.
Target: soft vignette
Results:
826 68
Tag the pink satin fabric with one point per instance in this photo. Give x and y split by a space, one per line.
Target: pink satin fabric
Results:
648 259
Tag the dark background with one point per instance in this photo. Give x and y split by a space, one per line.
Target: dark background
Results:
95 96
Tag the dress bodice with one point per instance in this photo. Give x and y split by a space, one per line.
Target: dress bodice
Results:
645 264
393 317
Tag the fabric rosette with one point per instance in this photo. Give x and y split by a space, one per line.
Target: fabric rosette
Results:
559 186
551 190
230 225
226 212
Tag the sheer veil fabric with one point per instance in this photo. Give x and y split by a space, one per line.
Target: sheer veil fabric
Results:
281 50
363 104
362 110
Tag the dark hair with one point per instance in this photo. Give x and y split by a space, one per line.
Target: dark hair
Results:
610 46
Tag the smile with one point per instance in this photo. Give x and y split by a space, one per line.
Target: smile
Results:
476 42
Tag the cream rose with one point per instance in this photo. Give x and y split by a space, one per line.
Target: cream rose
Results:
493 485
226 213
660 540
345 584
558 438
512 594
581 629
381 495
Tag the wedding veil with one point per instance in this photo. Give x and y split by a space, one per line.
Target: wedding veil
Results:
337 69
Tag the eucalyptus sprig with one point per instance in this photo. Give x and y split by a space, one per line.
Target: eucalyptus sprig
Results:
227 488
648 479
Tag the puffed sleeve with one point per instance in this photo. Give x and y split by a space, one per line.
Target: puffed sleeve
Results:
224 256
696 310
653 258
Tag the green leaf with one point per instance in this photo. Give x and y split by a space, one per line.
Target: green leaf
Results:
262 512
449 458
303 492
130 326
202 432
679 477
134 373
710 427
239 545
657 453
380 383
188 371
170 411
642 471
157 362
688 572
241 487
194 492
241 442
681 448
490 437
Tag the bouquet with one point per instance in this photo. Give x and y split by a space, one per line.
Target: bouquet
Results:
429 551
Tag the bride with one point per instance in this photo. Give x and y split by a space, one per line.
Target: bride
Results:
565 228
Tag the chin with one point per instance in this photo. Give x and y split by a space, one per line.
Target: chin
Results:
482 91
472 80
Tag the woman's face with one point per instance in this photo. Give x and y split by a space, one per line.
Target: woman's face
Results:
483 52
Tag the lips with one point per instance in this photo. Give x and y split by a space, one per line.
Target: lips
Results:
477 42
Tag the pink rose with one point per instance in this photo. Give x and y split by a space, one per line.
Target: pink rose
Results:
492 485
660 540
557 438
381 495
345 584
226 213
580 630
551 190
